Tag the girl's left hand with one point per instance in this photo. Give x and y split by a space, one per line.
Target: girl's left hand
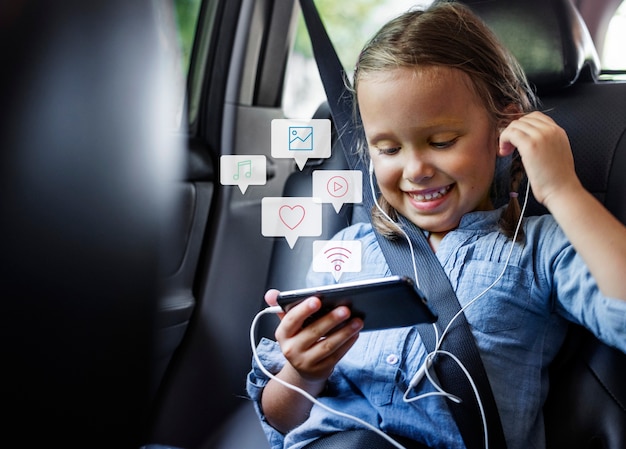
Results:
546 154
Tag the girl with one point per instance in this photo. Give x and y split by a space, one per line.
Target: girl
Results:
440 102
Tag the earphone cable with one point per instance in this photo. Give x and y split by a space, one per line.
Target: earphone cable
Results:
439 340
302 392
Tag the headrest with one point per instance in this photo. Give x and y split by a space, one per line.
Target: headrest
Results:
548 37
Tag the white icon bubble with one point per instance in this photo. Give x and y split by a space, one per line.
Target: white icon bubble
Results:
301 139
243 171
338 187
291 217
337 257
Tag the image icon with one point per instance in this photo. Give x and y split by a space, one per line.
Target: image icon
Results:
243 171
301 139
291 217
337 257
338 187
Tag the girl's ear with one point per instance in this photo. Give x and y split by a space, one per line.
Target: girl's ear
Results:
511 112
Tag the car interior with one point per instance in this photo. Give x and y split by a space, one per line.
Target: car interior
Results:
131 274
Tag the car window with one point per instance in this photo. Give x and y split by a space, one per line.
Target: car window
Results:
176 37
349 25
187 16
613 55
187 13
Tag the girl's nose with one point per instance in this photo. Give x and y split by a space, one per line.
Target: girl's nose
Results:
417 168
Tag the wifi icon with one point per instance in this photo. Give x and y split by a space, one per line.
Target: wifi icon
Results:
337 257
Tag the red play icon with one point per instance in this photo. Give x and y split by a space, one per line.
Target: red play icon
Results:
337 186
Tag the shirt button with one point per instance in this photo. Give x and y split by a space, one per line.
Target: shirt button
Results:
392 359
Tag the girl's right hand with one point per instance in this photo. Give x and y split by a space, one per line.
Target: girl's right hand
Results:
546 155
314 350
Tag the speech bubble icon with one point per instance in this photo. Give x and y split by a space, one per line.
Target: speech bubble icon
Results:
301 139
291 217
337 257
338 187
243 171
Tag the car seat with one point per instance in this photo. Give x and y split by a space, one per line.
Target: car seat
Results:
586 407
87 166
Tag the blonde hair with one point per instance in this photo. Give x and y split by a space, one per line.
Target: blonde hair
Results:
449 34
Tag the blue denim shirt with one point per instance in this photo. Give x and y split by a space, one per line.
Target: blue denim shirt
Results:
518 325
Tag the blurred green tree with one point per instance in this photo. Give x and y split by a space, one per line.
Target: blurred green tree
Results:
186 19
348 24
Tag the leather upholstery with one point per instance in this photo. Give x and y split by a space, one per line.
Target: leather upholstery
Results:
548 38
586 407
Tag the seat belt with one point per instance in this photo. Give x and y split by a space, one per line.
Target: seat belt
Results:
433 280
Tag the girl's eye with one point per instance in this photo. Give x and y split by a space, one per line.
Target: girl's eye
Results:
388 151
443 145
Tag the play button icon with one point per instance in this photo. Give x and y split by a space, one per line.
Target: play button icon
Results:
337 186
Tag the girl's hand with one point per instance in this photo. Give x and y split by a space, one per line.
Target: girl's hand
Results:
599 238
546 155
314 350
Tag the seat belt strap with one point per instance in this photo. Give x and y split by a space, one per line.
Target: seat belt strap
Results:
433 280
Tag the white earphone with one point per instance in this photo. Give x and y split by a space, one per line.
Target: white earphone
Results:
424 369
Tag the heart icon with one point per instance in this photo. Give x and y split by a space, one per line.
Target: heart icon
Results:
292 216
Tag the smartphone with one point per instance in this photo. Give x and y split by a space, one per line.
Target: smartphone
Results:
381 303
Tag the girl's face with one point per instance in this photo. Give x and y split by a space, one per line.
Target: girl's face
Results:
432 143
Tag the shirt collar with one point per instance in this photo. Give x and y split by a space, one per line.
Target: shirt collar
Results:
486 220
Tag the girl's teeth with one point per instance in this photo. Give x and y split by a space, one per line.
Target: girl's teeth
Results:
431 196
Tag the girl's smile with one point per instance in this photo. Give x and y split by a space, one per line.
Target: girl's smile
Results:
434 151
429 199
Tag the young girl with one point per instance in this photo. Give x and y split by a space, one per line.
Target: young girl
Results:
440 102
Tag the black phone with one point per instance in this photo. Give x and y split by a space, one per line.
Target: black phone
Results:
381 303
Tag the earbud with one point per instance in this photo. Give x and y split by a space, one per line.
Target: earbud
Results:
371 167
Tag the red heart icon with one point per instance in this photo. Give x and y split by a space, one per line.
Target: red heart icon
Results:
292 216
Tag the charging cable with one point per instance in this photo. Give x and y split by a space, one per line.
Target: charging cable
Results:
313 399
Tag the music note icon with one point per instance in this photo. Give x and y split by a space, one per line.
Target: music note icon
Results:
243 170
247 166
